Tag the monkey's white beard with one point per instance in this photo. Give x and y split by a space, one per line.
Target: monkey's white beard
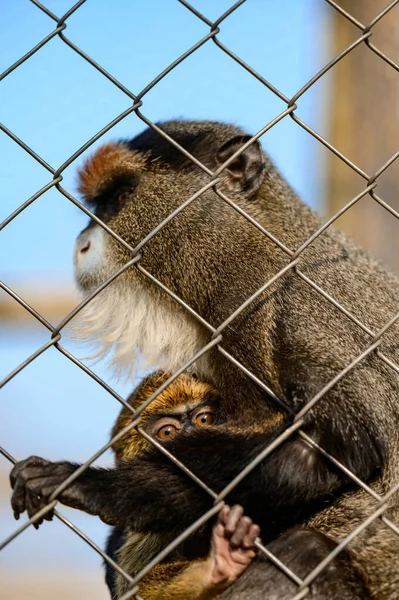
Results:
134 327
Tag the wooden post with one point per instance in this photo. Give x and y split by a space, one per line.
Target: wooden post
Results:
364 126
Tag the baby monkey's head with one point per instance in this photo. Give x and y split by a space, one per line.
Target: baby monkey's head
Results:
185 404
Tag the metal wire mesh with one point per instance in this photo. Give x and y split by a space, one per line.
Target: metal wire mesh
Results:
55 333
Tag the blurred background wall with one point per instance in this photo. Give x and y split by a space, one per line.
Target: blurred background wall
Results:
56 101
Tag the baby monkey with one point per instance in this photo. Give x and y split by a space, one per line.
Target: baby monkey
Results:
186 404
205 564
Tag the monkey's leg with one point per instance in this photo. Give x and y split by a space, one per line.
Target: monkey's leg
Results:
301 550
232 551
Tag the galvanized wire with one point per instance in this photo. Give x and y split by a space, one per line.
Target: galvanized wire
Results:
289 107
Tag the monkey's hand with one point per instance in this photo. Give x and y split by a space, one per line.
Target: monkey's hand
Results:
34 480
233 550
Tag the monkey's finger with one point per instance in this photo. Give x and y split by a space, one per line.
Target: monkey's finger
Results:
38 492
242 529
224 514
18 499
33 506
32 461
218 532
44 487
250 537
233 518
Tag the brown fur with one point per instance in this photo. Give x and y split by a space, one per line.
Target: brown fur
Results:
104 166
178 581
182 391
291 337
137 552
181 576
167 580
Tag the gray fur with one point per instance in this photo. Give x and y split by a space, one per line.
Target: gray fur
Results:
291 337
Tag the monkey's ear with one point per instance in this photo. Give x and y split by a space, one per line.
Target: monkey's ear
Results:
246 173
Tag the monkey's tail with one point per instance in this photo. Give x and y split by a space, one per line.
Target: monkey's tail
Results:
113 163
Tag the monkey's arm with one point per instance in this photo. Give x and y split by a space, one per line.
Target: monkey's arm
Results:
150 493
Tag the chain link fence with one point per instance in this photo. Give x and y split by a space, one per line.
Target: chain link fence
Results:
55 332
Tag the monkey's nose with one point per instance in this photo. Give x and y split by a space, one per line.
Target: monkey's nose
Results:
85 247
83 243
88 252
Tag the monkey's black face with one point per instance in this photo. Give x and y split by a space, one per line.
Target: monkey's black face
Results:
187 404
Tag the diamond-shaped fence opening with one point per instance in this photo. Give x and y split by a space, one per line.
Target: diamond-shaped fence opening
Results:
134 103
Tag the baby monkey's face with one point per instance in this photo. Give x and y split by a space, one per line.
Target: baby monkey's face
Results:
186 404
166 425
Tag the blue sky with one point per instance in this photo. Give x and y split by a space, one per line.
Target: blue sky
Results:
56 101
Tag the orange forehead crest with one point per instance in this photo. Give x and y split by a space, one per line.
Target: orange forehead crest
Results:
107 163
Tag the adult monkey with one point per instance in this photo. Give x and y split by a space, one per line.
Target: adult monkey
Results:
291 337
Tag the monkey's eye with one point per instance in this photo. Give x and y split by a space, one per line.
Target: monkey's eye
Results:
166 432
204 419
